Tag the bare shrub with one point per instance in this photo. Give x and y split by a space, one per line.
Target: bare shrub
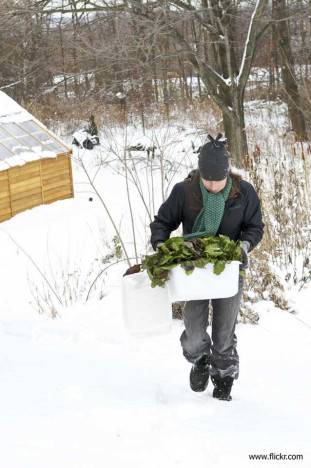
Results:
70 280
280 175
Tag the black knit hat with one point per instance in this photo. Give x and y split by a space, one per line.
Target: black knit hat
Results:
213 159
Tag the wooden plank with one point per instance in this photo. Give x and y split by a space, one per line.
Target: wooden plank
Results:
5 210
3 176
55 194
4 188
5 216
16 171
61 186
4 183
41 183
5 203
24 177
26 201
25 185
24 204
24 195
17 198
45 163
49 161
5 200
57 168
61 179
53 174
24 191
57 191
52 200
26 168
5 194
20 172
70 169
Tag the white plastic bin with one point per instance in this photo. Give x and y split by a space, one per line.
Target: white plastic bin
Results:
202 283
146 310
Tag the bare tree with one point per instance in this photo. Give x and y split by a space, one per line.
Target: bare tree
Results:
224 75
280 15
142 49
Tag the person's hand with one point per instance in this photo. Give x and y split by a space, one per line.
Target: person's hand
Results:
158 244
245 246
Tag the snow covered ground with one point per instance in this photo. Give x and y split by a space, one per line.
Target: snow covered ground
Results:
76 391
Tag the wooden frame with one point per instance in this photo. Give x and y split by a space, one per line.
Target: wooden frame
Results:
37 182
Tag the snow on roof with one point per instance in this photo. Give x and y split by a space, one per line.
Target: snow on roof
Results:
23 138
10 111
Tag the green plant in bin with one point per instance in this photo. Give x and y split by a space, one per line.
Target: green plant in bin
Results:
189 254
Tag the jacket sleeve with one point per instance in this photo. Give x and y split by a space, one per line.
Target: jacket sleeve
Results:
252 227
169 216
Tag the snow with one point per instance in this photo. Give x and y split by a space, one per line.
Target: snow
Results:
77 391
10 111
228 81
246 42
25 157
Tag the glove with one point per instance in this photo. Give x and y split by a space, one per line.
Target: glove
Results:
245 246
157 245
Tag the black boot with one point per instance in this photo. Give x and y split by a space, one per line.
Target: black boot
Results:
222 387
199 374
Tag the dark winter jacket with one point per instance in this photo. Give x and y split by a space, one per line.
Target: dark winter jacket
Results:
241 219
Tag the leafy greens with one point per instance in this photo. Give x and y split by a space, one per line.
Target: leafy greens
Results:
190 253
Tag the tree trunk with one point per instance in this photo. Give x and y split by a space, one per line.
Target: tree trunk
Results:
234 127
155 75
294 101
274 65
231 105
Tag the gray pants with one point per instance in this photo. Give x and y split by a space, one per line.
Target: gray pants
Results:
195 341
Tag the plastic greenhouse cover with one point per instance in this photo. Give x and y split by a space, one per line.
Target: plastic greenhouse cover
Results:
26 137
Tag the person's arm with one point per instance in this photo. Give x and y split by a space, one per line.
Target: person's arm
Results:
252 227
169 216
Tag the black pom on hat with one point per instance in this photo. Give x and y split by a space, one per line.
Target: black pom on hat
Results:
213 161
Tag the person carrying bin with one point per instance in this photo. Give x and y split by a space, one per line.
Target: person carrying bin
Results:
211 201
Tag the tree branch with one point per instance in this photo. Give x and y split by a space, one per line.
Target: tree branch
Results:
250 44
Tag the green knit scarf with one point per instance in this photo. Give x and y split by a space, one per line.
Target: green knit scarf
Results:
209 218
